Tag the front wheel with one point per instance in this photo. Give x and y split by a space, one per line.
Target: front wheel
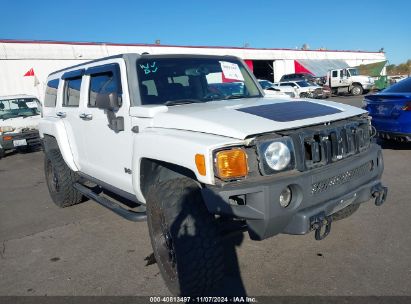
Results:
185 237
2 153
356 90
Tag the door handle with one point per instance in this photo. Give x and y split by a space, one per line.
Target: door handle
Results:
61 114
86 116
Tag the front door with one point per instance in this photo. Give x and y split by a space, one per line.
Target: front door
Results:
108 146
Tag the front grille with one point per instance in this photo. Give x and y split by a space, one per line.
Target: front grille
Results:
32 137
342 178
333 143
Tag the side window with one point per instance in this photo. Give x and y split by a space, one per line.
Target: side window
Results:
72 92
335 74
341 74
102 83
50 97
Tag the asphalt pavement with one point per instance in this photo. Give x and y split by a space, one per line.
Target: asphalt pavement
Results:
88 250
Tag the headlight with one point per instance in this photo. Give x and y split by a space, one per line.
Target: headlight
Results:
276 155
7 129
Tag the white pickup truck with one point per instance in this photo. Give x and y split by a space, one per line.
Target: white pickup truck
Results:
19 119
189 143
349 81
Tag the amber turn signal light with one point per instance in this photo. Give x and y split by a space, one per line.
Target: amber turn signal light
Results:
231 163
200 163
7 137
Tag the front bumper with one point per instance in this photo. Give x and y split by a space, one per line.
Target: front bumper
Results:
367 86
323 190
22 139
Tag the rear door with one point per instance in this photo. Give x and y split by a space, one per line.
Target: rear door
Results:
335 78
386 105
69 110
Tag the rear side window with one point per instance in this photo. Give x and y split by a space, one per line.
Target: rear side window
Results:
335 74
50 97
72 92
102 83
404 86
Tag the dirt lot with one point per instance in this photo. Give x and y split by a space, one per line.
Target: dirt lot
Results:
87 250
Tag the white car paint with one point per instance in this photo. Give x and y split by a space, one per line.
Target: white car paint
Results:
19 123
296 87
221 117
173 134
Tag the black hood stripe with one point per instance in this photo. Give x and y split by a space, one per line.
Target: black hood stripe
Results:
290 111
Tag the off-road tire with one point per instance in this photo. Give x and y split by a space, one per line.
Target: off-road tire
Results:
346 212
60 179
185 237
356 90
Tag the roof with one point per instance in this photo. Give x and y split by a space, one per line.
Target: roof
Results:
7 97
372 69
134 56
320 67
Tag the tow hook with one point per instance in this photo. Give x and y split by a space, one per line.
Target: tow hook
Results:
321 224
380 194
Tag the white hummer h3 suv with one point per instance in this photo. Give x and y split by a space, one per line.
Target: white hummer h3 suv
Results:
189 143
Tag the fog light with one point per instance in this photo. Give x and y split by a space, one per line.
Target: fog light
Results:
285 197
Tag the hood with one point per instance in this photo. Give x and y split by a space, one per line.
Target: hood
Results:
241 118
20 123
362 78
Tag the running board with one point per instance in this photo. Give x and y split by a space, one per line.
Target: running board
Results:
109 204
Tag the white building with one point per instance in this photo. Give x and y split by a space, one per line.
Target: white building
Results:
37 59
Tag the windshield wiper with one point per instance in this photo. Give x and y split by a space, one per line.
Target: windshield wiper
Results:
235 96
181 101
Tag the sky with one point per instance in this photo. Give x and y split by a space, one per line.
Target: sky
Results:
338 25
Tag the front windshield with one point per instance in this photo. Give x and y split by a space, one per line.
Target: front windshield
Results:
303 84
353 72
20 107
265 84
182 80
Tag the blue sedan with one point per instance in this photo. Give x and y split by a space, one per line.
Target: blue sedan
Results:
391 111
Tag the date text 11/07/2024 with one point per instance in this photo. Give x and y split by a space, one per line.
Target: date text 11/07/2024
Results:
202 300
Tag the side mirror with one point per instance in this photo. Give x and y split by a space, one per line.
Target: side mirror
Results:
111 101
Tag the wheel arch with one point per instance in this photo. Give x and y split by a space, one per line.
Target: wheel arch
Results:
355 84
55 138
153 171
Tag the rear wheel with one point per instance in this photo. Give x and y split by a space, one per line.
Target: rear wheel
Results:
1 153
185 237
60 180
304 95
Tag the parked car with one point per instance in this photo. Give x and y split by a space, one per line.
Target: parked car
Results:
271 90
146 131
303 88
395 79
303 76
19 118
391 111
326 91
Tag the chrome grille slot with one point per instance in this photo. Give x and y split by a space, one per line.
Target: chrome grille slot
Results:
334 143
342 178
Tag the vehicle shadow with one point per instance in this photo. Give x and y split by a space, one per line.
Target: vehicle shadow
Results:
218 248
394 145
